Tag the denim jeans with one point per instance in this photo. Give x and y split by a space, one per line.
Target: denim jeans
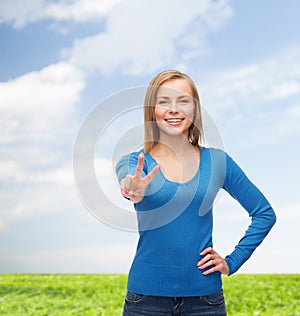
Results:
146 305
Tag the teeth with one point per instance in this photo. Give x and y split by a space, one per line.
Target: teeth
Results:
174 120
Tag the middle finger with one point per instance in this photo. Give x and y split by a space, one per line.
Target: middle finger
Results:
207 264
206 258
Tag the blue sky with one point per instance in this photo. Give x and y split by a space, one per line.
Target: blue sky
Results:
61 59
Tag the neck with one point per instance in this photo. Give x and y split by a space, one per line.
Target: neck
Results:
179 144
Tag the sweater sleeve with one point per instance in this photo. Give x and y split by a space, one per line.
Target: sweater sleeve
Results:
262 215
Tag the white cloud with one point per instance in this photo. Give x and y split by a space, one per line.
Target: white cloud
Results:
80 10
138 38
29 193
256 84
12 172
37 103
142 38
37 119
20 13
257 100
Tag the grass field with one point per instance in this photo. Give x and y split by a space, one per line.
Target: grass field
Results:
103 294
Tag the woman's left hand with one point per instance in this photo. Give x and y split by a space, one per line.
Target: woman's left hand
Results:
212 258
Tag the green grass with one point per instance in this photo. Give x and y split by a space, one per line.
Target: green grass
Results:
262 294
103 294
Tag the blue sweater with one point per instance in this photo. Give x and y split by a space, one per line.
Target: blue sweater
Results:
175 223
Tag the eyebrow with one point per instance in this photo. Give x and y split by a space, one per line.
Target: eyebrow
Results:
180 97
184 96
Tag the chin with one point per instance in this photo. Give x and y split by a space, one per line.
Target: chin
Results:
173 133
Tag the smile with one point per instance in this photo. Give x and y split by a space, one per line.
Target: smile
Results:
174 120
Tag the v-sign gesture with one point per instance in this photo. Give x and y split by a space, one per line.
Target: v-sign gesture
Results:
133 187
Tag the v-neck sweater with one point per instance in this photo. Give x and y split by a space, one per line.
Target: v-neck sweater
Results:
175 222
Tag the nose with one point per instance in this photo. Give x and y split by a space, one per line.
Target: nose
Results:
173 107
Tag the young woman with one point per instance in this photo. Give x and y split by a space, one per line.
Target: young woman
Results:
173 182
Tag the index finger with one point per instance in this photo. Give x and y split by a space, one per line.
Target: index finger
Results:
149 177
206 251
139 167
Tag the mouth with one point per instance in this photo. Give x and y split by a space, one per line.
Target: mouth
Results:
174 121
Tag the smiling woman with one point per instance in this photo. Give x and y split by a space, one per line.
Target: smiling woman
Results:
173 182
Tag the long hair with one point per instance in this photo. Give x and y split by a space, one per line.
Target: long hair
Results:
151 130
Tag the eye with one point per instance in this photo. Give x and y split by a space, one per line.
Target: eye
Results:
162 102
184 101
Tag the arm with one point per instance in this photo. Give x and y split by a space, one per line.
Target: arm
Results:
238 185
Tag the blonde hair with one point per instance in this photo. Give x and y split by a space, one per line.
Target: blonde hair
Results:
151 129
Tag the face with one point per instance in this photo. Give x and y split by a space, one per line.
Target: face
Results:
174 108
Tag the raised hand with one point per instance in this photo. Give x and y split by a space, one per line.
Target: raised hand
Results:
214 260
133 187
